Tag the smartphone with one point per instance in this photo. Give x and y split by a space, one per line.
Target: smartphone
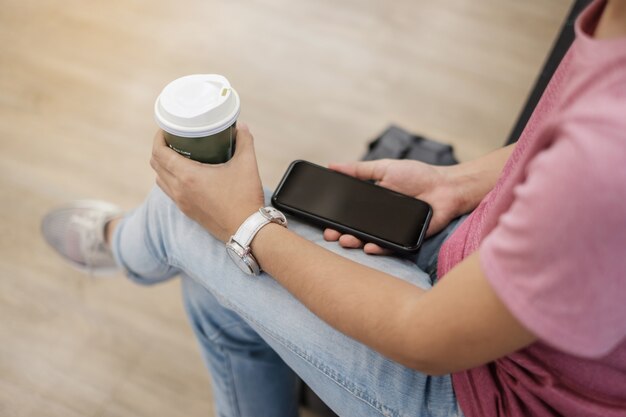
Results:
372 213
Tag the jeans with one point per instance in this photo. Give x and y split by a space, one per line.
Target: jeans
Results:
256 338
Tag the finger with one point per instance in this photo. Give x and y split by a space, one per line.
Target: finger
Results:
167 158
367 170
331 235
166 176
160 152
391 186
245 140
435 226
351 242
158 142
374 249
243 125
343 167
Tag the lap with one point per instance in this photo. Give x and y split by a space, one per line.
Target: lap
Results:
334 365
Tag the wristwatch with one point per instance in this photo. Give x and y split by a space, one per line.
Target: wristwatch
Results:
238 247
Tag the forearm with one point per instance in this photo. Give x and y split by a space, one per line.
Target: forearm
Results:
428 331
474 179
365 304
459 324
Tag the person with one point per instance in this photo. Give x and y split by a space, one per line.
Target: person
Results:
514 306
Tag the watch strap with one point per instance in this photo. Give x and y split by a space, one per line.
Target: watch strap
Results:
250 227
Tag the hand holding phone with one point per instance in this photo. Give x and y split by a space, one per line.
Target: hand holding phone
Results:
349 205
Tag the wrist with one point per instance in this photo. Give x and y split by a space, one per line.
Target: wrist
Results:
471 181
232 223
464 188
239 216
239 246
263 237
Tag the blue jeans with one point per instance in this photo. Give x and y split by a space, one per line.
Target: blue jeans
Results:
256 338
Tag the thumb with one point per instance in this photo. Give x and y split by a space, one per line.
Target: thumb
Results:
244 141
365 170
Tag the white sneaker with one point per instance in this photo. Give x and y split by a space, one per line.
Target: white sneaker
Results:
76 232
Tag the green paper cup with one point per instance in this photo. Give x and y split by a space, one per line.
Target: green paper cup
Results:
198 114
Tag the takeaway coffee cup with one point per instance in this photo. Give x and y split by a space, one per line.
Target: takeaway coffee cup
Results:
198 114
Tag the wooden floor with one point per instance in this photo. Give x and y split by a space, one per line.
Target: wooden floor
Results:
317 79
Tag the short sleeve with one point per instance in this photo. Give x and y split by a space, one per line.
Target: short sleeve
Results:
557 256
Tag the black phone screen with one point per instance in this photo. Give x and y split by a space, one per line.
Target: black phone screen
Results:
355 204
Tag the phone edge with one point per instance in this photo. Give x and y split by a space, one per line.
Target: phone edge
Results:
321 222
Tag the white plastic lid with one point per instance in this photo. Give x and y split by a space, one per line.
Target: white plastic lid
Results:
197 105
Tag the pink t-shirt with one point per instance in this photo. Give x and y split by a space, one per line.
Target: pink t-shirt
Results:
552 241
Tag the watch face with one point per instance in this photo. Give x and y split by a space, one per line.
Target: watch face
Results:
240 260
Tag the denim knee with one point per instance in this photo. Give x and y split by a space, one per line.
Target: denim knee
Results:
215 323
138 242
